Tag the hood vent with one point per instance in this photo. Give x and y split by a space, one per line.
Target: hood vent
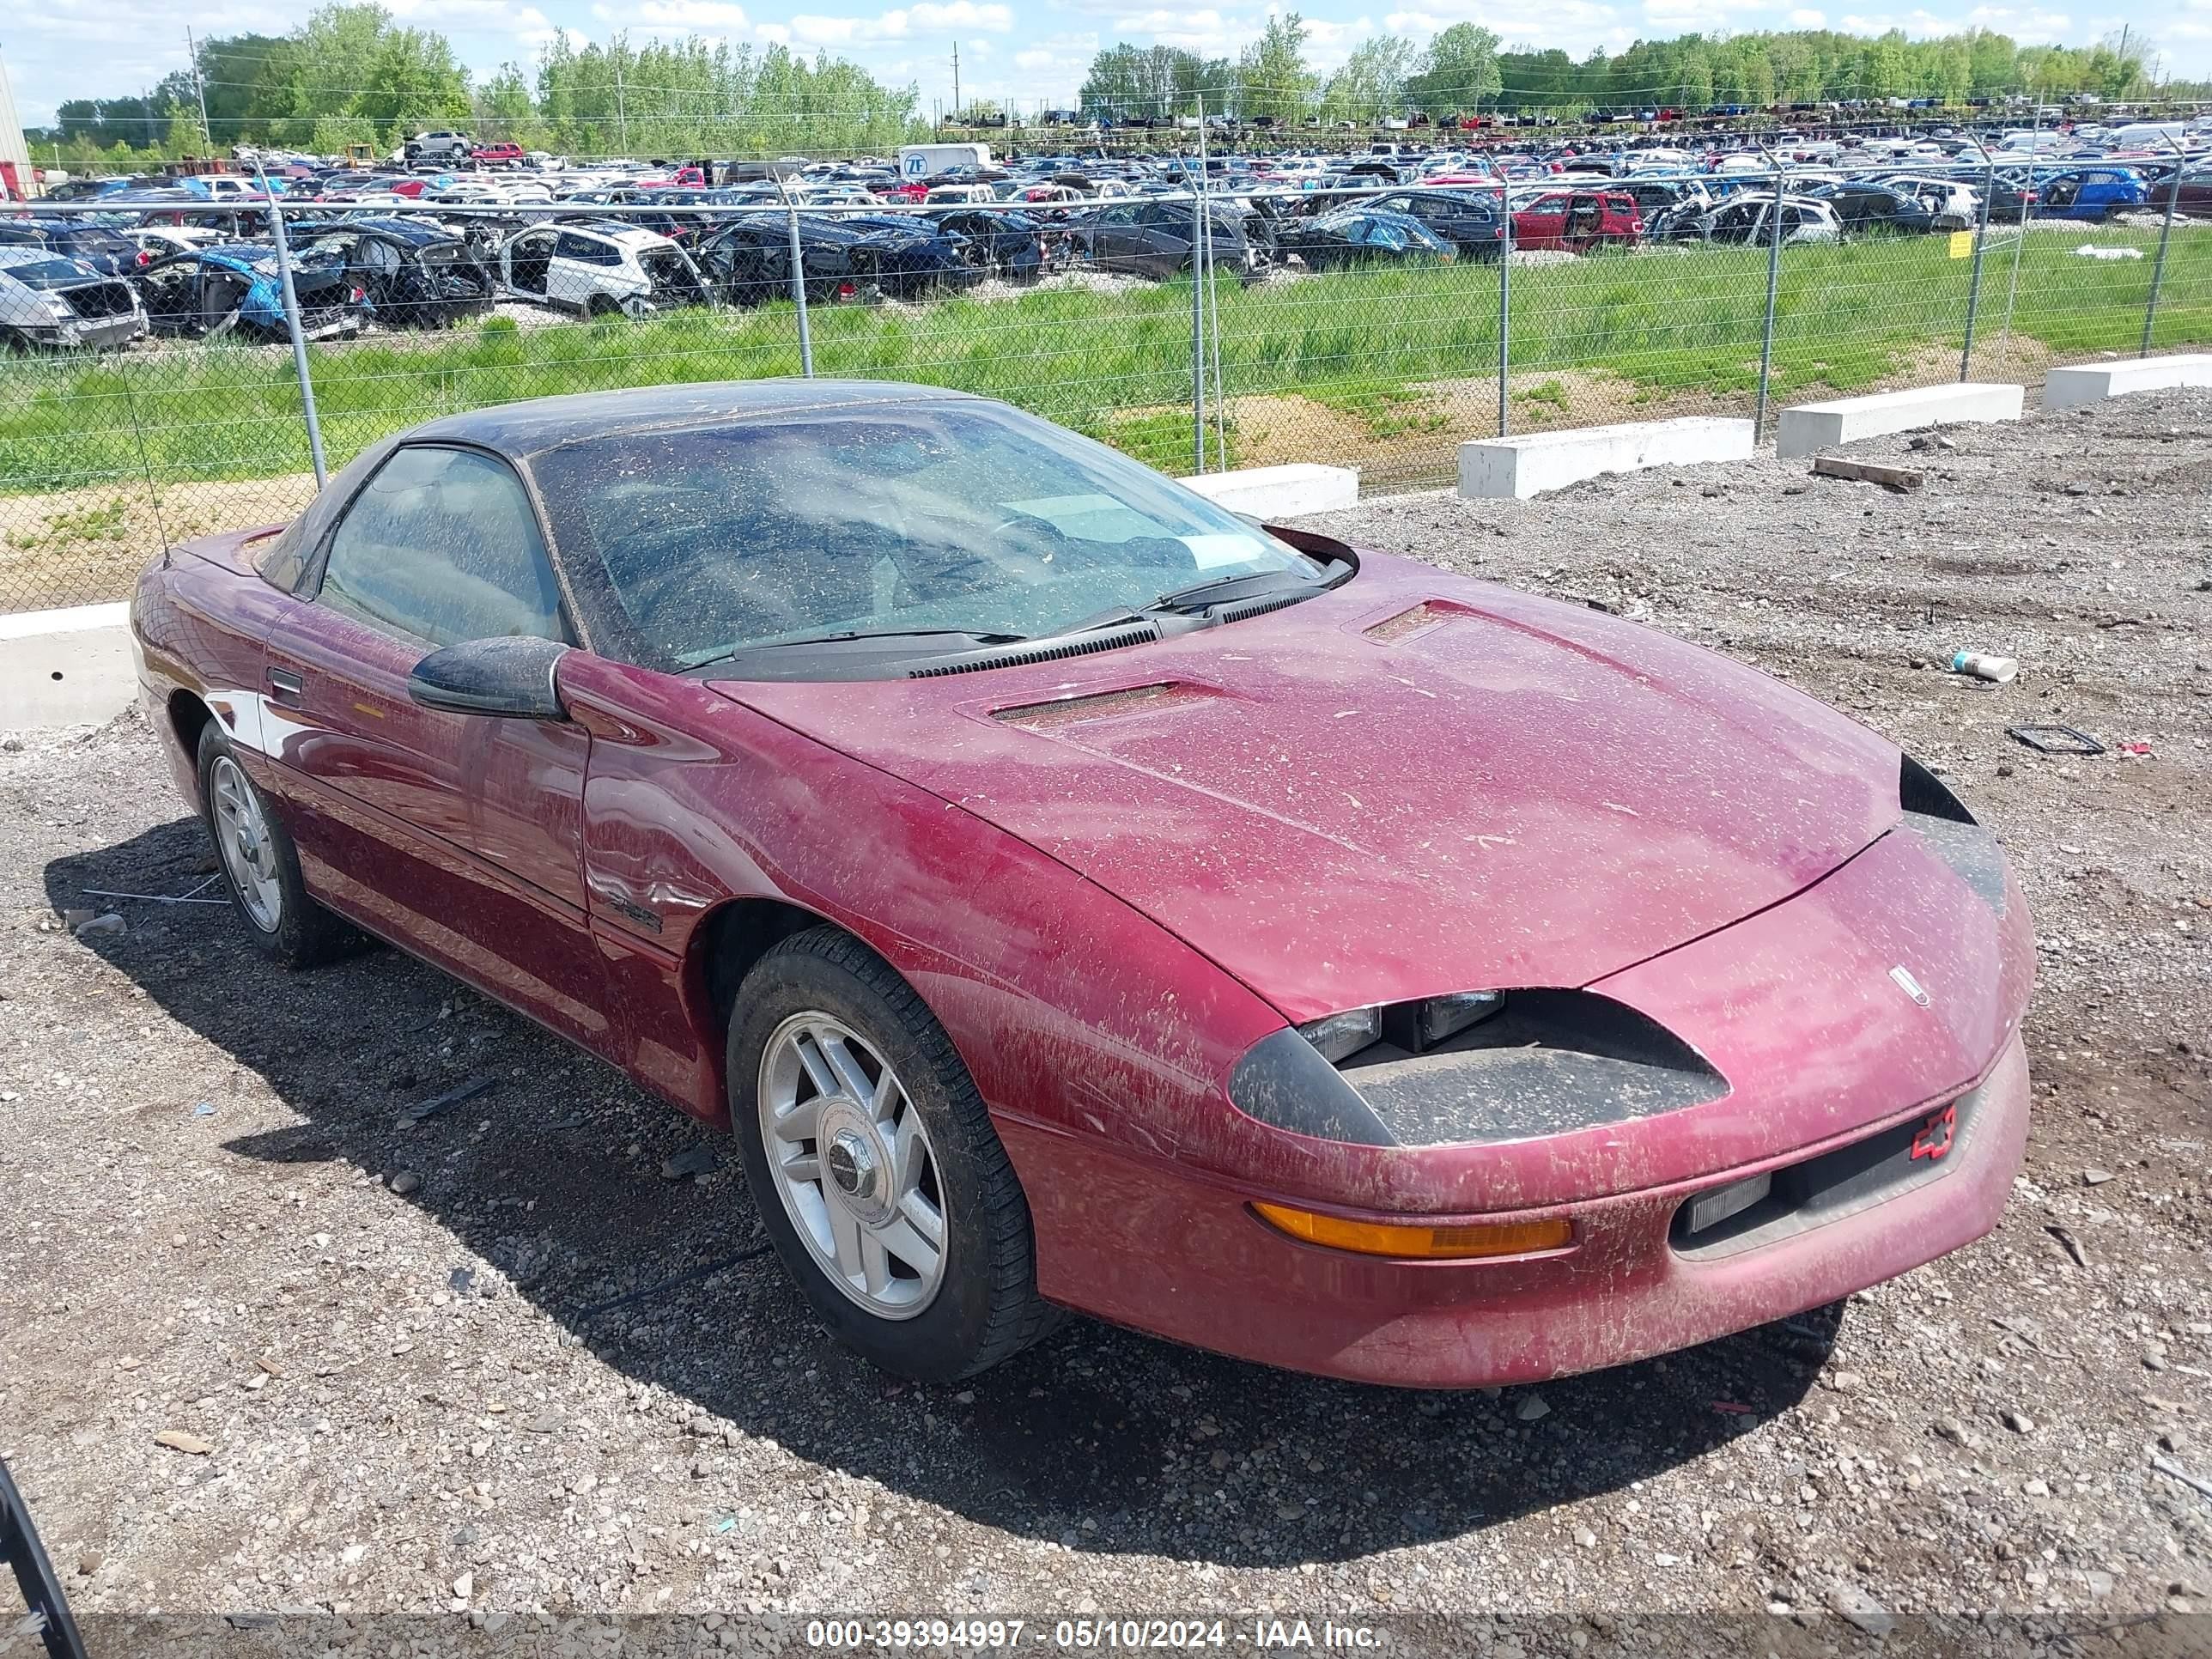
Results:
1427 614
1094 705
1019 656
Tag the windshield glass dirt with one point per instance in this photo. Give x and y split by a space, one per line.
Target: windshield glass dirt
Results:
759 535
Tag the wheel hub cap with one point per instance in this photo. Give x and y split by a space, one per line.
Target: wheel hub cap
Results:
853 1164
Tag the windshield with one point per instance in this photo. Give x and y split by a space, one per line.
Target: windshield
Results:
49 273
917 517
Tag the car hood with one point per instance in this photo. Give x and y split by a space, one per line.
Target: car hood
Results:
1415 784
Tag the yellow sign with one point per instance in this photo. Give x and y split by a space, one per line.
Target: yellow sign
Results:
1962 245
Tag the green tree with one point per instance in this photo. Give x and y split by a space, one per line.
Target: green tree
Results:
1372 81
184 134
1272 79
1457 73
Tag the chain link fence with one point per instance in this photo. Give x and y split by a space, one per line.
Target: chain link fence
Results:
165 401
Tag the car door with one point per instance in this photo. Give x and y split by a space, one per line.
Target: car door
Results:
1584 224
1541 224
578 261
458 835
528 259
1110 235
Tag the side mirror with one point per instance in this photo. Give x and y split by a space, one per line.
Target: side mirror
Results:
512 679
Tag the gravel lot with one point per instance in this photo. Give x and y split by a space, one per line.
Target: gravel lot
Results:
379 1349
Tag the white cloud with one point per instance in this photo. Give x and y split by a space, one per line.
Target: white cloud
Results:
1806 18
716 14
902 22
2031 24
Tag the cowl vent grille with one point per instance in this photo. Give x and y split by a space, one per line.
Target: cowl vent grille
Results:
1232 613
1017 656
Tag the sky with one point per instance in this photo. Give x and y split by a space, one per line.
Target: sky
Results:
1026 52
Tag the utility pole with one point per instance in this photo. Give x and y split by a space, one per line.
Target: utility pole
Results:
192 49
956 84
621 112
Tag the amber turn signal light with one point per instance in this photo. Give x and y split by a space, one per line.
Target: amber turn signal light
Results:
1415 1241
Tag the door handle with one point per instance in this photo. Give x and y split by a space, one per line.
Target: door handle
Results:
286 687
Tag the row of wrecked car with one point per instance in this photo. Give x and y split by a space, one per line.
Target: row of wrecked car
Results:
70 282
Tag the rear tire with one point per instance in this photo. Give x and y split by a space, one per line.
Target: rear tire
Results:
259 866
905 1148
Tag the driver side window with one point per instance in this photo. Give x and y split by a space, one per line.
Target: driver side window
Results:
443 546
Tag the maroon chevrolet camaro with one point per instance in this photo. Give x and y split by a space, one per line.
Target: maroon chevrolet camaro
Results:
1072 895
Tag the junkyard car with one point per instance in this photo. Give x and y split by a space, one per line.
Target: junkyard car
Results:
103 247
55 304
747 261
1361 235
1575 221
1874 210
1749 217
1154 238
1466 219
1068 893
416 275
598 269
1017 246
237 288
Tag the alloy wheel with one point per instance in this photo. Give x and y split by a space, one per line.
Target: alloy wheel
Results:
242 838
853 1162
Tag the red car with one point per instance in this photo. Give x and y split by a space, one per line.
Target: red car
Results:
1577 221
1071 895
497 155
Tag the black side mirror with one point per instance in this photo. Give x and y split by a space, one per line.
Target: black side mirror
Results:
514 677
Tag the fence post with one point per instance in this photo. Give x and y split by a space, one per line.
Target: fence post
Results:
292 327
1773 293
1505 303
1214 344
2020 246
798 281
1197 327
1974 282
2165 235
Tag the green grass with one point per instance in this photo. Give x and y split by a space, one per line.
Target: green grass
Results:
1117 365
101 523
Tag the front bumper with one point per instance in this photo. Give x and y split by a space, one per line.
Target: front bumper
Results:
1185 1259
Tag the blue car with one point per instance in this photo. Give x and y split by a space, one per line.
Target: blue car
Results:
2093 194
235 289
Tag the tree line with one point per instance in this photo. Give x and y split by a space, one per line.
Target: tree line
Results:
1464 70
352 74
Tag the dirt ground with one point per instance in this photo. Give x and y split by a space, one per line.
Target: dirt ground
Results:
395 1378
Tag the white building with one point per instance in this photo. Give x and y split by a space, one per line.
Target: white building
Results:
16 182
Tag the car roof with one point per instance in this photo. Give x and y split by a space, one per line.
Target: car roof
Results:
541 423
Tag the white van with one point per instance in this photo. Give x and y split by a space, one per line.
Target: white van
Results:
2156 134
926 160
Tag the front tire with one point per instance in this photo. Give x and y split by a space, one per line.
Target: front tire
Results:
874 1165
259 866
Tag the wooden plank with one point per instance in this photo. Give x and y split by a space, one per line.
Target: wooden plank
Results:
1899 479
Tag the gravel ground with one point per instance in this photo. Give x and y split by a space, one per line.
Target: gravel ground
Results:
273 1343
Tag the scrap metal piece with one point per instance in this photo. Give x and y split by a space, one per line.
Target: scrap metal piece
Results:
2056 739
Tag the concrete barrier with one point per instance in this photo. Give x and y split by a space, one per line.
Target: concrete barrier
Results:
2089 383
1280 492
1514 469
66 667
1812 427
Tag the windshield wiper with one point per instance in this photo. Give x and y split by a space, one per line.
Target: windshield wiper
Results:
1199 596
982 636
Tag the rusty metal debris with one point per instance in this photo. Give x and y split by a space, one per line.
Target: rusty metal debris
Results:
2056 739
